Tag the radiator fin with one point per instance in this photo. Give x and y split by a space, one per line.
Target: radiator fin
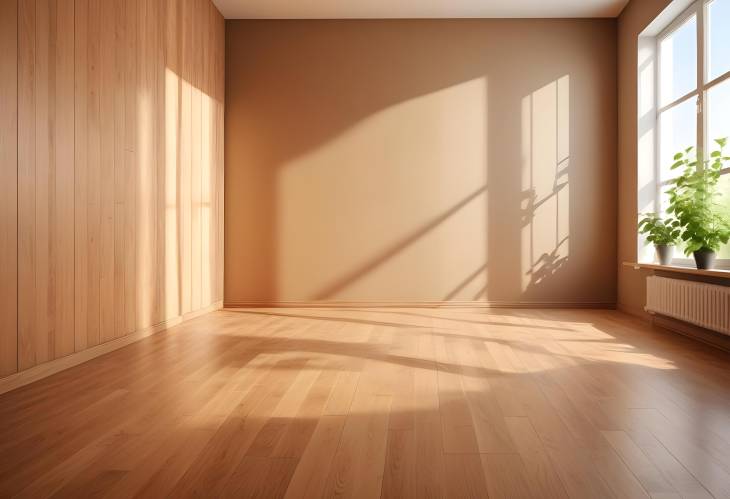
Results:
699 303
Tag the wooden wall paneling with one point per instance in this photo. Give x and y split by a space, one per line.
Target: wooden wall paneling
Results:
159 165
212 204
107 128
186 139
130 165
172 157
120 170
81 266
62 210
43 334
153 38
46 186
93 174
26 184
147 178
215 144
8 187
186 153
195 225
206 163
220 95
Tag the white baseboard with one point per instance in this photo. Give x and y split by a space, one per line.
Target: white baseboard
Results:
57 365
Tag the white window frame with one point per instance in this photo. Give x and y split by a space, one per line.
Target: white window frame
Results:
699 93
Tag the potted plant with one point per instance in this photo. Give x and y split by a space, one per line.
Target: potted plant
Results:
693 202
662 233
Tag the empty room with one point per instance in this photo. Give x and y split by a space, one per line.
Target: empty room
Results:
365 248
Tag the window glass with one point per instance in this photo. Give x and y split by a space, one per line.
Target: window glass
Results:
718 38
677 131
678 62
718 113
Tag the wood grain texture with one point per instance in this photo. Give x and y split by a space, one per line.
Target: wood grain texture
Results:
8 187
97 137
380 402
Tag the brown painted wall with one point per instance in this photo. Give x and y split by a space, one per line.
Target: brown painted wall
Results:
421 160
632 21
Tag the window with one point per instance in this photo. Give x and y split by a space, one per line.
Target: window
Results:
693 91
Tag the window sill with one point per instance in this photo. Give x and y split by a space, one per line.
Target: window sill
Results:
722 274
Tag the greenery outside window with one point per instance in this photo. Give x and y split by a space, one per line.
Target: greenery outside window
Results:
693 94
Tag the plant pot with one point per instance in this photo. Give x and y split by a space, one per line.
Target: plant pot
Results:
705 259
664 253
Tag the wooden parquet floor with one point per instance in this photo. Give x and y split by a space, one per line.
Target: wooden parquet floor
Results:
401 403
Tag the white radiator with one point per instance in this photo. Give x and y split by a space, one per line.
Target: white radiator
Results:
706 305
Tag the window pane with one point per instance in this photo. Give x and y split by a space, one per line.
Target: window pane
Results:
678 130
718 37
678 51
718 113
724 186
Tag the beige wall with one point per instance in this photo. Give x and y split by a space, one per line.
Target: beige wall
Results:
421 161
111 171
632 21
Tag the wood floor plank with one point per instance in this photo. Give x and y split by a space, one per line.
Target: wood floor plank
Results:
310 477
542 478
464 476
653 481
506 476
399 478
421 403
357 469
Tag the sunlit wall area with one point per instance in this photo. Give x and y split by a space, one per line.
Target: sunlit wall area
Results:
392 161
337 236
546 183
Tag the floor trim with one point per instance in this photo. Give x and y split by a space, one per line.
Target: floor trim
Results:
418 304
697 333
46 369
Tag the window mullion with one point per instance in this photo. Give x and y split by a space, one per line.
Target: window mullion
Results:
716 81
701 121
678 101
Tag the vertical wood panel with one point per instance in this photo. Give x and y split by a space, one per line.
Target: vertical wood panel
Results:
145 161
205 164
172 158
63 209
81 270
64 180
93 174
117 158
107 126
42 336
120 170
196 169
47 184
186 158
8 187
26 184
220 96
158 66
130 148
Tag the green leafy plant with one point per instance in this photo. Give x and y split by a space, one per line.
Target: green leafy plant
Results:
660 232
693 199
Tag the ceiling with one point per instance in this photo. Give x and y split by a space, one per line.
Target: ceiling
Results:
399 9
